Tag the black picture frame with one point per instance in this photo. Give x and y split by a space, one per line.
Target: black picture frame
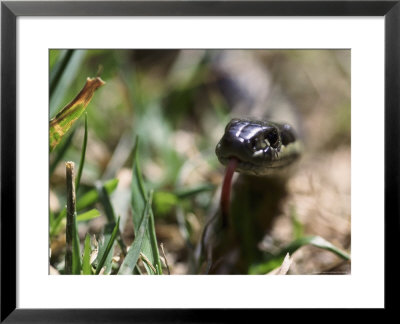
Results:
10 10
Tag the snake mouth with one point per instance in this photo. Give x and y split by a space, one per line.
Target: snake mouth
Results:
242 165
249 161
259 163
264 159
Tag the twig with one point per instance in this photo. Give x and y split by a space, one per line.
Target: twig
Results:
71 202
145 259
165 257
284 268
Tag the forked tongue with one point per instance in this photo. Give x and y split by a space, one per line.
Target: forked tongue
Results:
226 190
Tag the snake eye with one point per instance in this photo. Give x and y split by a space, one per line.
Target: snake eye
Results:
272 137
253 144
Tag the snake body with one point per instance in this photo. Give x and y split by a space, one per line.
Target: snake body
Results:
264 145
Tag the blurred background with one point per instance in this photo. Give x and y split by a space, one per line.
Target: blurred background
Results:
171 100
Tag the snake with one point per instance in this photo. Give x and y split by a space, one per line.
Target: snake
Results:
263 139
262 147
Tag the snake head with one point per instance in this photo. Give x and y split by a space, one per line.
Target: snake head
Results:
259 146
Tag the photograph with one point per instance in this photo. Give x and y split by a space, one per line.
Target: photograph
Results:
219 144
199 161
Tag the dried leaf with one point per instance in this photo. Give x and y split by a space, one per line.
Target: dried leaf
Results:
63 121
284 268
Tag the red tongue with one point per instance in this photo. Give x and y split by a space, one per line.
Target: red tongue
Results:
226 190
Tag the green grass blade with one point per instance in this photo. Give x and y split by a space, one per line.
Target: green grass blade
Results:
109 210
92 196
297 225
192 191
54 56
138 190
84 202
164 201
51 216
63 121
105 201
61 149
153 242
68 76
316 241
83 154
321 243
133 254
139 201
106 254
58 70
102 246
86 268
274 261
91 214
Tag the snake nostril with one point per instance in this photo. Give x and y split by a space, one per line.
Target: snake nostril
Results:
273 138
